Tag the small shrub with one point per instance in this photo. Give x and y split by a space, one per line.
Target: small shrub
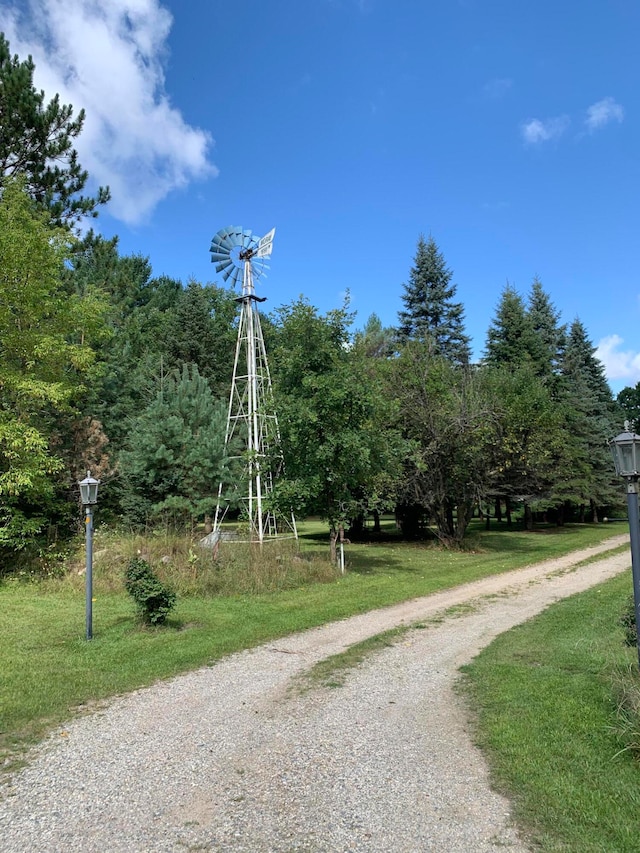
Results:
628 622
153 599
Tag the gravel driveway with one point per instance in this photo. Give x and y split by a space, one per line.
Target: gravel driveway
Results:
230 758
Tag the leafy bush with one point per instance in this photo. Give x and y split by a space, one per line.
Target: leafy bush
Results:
153 599
628 622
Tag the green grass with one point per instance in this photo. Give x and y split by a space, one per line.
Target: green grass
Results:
333 671
548 718
49 669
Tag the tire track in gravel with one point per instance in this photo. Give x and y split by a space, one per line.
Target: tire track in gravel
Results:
227 758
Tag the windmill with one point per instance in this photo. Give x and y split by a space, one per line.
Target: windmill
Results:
251 418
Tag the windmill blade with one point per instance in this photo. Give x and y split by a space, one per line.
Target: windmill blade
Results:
217 255
221 267
225 240
236 235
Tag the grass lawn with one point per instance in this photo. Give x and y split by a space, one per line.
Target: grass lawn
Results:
549 722
49 669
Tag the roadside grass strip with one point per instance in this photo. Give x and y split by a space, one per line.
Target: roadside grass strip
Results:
557 706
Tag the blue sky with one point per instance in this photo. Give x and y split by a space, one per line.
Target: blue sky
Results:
507 130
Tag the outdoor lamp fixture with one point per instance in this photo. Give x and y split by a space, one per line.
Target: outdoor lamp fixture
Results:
626 457
89 497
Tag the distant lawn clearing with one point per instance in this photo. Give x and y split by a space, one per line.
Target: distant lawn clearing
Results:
545 694
49 669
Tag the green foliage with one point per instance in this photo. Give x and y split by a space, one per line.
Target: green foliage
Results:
36 143
153 599
451 424
340 448
375 340
175 456
510 337
548 336
584 472
629 402
628 622
43 361
430 313
157 327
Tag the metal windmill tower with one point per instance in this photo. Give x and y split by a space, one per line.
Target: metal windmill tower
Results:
251 418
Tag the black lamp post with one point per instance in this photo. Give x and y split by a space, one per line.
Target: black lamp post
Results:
626 457
89 497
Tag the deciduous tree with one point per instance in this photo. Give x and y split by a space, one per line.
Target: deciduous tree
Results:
45 353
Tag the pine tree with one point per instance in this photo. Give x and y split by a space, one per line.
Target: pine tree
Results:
175 455
36 142
375 340
430 313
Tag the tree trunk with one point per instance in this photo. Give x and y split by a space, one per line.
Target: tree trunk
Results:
528 518
498 510
450 527
333 538
594 510
376 521
507 506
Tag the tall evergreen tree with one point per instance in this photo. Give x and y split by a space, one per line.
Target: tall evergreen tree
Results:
430 312
585 475
548 334
510 338
36 142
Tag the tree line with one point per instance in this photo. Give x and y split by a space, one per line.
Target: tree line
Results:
105 367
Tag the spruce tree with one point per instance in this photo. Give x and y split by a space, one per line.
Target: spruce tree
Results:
548 334
585 476
36 143
510 338
430 312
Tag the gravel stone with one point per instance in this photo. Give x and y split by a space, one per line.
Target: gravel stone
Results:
231 758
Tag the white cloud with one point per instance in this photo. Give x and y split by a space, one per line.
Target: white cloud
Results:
535 130
618 364
107 57
603 112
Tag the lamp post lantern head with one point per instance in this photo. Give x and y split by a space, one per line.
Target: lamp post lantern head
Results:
89 490
625 449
